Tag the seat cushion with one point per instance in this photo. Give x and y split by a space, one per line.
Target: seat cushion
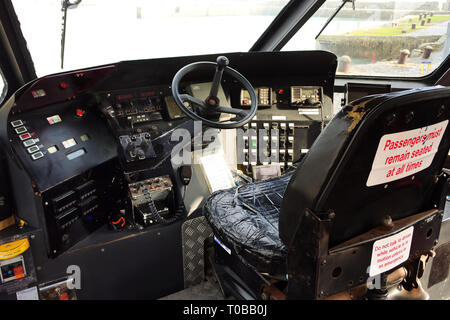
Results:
245 219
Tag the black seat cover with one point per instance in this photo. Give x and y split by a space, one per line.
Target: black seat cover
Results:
333 176
246 220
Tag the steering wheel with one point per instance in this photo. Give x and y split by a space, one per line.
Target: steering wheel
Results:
209 110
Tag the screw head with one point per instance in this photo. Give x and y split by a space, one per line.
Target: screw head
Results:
441 110
390 119
409 116
387 222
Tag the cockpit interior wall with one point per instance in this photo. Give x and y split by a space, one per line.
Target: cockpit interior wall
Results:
5 196
86 148
251 175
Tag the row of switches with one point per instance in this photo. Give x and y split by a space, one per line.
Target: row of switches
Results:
25 137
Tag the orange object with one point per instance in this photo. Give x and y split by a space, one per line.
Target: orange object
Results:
18 272
64 296
120 219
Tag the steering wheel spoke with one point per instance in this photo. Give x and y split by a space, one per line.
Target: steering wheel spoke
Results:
238 112
191 99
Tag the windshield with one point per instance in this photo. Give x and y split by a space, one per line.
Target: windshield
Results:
380 38
106 31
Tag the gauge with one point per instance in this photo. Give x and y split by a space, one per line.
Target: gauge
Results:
172 109
301 94
264 97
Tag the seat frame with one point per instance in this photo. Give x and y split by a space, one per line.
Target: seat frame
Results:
319 277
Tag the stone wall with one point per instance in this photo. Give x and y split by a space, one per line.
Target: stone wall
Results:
362 47
392 5
375 13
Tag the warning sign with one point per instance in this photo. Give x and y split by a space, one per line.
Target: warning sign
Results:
390 252
404 153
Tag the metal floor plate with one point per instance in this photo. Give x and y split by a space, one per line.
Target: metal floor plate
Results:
194 232
205 290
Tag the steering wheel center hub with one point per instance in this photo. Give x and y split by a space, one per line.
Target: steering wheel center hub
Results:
212 101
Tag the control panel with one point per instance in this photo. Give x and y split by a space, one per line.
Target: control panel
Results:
12 269
141 107
94 143
288 120
79 206
131 110
152 200
264 95
137 147
60 141
29 140
17 270
285 97
276 142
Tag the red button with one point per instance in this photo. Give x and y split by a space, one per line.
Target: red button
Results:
18 272
25 136
64 296
79 112
63 85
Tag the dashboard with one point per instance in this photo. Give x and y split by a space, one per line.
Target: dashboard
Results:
94 146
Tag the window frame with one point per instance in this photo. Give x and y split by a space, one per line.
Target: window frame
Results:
16 64
4 91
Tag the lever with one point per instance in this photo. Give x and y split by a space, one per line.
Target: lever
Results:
222 63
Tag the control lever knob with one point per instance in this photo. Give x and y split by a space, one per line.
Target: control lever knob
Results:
311 101
140 154
222 62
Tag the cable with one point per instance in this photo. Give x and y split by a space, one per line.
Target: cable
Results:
184 192
154 212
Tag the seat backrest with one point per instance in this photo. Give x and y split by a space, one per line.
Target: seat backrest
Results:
378 157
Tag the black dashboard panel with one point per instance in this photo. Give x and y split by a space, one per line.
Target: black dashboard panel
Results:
88 132
262 69
86 138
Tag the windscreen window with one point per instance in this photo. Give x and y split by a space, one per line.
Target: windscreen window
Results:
3 87
103 31
380 38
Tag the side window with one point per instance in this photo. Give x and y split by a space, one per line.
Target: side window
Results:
3 87
380 38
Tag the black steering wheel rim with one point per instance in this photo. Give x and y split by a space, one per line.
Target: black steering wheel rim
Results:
214 124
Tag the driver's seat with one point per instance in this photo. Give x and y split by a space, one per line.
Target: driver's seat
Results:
334 199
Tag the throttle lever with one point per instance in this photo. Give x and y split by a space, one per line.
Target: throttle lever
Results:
222 63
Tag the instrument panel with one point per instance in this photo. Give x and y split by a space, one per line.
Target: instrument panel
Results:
288 120
86 137
78 151
284 97
138 108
